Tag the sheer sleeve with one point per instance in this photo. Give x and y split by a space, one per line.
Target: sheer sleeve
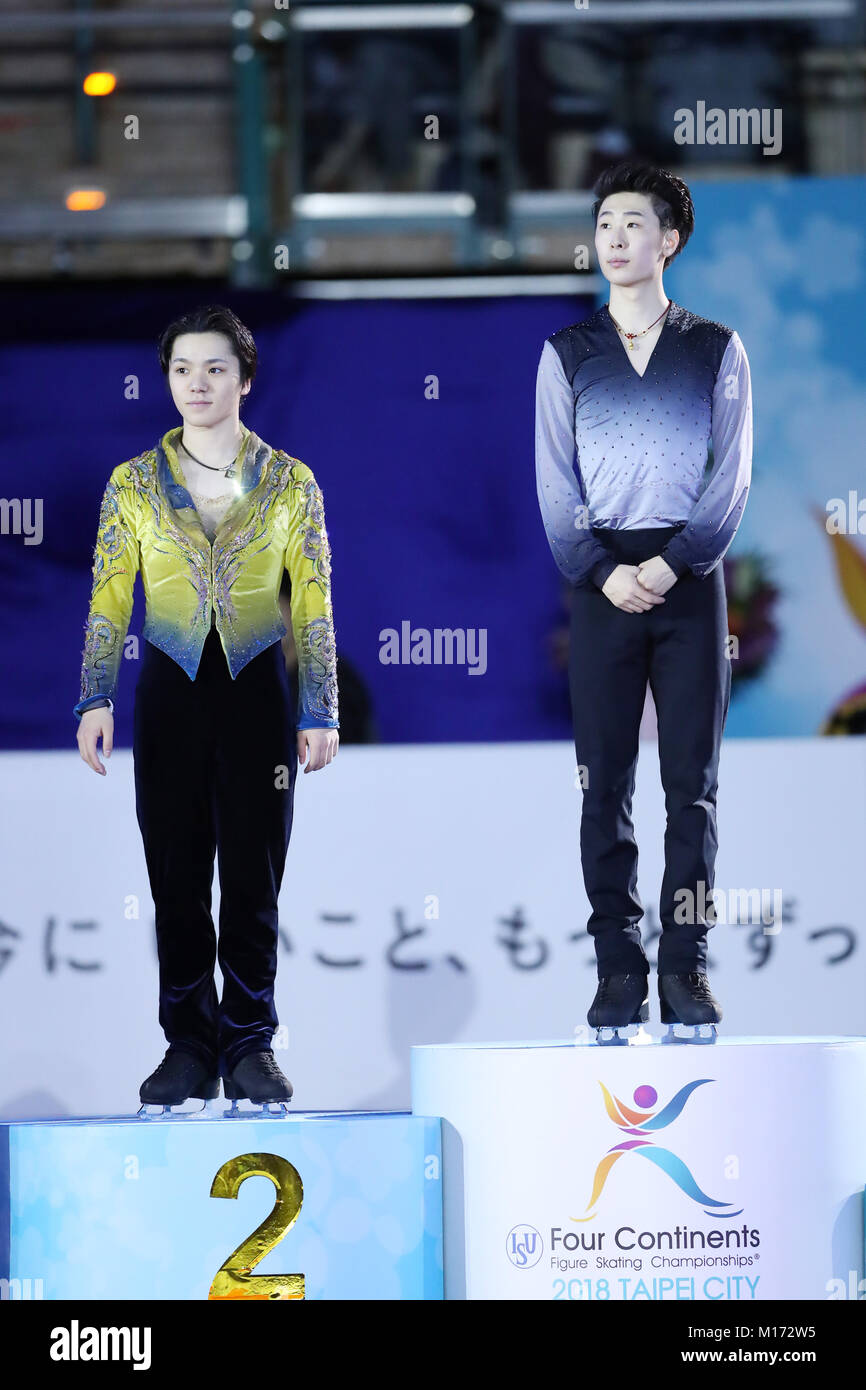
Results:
579 554
714 519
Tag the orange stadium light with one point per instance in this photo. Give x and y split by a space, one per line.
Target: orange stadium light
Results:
99 84
85 199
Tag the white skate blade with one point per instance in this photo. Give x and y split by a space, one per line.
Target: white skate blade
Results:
621 1035
157 1110
700 1033
257 1110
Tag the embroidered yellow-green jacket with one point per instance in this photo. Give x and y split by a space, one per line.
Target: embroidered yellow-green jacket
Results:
148 522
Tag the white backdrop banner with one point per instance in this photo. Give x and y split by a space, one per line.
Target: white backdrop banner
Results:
432 894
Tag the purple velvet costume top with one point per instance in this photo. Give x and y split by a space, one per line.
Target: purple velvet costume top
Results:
617 450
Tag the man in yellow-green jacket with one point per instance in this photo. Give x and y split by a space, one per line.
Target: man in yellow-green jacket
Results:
212 517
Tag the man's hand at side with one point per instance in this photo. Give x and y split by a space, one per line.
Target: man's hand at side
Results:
96 724
322 745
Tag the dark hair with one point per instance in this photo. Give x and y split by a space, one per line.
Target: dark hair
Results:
670 197
213 318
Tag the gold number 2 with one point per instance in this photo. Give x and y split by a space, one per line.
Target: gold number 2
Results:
233 1279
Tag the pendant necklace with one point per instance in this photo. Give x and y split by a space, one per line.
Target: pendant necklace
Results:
230 471
632 337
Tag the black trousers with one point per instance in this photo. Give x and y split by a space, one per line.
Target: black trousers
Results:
208 755
679 647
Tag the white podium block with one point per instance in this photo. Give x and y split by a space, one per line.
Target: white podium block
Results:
733 1171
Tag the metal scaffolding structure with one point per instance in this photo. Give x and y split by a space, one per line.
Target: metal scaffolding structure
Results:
486 222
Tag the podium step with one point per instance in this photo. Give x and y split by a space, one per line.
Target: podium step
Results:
726 1172
324 1204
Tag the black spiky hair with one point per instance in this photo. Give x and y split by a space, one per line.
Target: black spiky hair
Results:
670 197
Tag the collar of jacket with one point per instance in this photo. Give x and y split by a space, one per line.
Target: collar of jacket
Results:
251 469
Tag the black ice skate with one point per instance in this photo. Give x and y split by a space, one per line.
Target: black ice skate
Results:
620 1001
258 1078
688 1000
179 1076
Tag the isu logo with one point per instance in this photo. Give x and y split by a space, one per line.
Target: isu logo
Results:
524 1246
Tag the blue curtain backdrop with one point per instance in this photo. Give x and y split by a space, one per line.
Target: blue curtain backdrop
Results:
431 504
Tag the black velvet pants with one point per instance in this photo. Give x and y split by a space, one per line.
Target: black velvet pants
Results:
215 768
679 648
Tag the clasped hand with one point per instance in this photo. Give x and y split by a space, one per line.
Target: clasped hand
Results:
637 588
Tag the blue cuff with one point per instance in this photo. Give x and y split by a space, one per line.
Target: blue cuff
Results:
92 702
602 570
678 566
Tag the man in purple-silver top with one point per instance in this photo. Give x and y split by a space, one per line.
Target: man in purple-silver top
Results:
643 446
